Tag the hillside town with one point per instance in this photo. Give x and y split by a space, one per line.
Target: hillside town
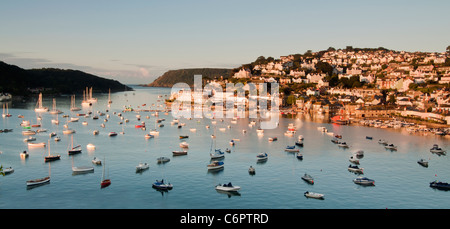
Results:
359 84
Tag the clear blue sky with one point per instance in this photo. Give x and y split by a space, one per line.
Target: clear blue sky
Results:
137 41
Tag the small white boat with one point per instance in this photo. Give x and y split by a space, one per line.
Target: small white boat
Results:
227 187
90 146
57 139
96 161
142 166
343 145
184 145
391 147
38 181
382 141
28 132
68 131
40 144
29 139
82 169
314 195
7 171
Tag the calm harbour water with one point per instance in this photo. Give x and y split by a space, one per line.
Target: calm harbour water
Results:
399 181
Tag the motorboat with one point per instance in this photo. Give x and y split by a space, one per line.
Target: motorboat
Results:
217 154
7 171
184 145
232 142
382 141
291 149
423 162
183 136
314 195
251 170
227 187
95 132
390 147
24 154
369 137
215 165
29 139
335 140
262 157
364 181
161 185
111 134
162 159
273 139
148 136
308 178
142 166
355 169
343 145
96 161
359 153
354 160
178 153
440 185
437 150
299 156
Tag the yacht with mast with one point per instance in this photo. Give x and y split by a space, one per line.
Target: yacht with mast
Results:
39 106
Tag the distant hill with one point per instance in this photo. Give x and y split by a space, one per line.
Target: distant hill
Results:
169 78
17 81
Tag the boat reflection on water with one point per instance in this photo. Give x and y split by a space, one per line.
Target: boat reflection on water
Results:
229 193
